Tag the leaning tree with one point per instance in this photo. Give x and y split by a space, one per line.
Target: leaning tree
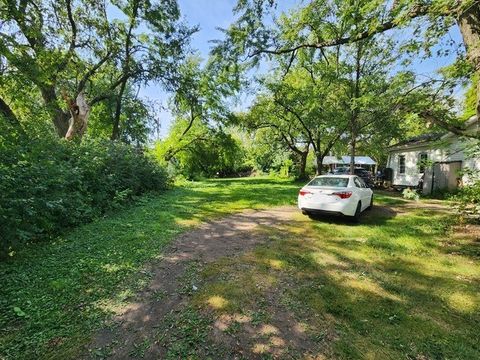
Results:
64 49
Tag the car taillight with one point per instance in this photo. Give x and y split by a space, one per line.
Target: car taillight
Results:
304 192
343 194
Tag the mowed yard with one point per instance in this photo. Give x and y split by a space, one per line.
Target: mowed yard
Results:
403 283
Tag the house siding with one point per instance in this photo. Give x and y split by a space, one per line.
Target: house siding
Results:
412 174
451 151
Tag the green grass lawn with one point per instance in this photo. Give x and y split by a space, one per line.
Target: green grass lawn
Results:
401 284
53 295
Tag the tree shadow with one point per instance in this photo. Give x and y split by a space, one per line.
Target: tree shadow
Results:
377 215
464 241
292 295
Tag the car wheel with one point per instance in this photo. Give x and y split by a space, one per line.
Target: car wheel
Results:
358 211
371 203
305 212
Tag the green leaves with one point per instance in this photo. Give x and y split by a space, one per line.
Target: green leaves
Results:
19 312
203 151
49 185
62 48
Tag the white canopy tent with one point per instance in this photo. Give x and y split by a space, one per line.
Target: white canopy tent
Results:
345 160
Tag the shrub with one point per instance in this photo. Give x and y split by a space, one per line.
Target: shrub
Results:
410 194
48 184
468 200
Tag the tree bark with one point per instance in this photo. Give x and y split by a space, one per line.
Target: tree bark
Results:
59 117
79 111
353 149
319 160
469 24
126 69
354 118
118 112
302 174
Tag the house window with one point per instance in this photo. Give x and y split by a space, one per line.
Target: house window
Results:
422 161
401 164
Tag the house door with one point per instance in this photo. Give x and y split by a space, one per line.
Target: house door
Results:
446 175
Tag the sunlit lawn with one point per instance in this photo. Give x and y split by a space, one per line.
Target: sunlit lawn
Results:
400 284
52 295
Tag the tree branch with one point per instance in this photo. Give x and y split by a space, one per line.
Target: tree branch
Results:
430 116
190 123
91 72
73 40
416 12
112 87
299 118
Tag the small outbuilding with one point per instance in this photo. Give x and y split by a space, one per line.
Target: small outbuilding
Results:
345 160
433 161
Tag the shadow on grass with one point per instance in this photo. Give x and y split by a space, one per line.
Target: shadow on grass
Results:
351 285
322 288
370 294
54 294
376 216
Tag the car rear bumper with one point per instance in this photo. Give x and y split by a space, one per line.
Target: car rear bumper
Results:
321 212
347 208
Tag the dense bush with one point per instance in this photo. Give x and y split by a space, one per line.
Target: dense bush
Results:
468 197
48 184
201 152
410 194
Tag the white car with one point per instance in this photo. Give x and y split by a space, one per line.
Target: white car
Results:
335 194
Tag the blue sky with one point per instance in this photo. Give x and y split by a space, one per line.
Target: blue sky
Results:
208 14
211 14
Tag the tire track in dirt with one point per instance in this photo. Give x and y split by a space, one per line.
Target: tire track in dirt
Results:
229 236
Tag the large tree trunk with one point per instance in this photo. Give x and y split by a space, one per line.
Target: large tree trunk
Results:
469 23
354 119
319 159
303 165
59 117
79 111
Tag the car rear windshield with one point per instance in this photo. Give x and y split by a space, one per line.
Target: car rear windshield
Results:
329 181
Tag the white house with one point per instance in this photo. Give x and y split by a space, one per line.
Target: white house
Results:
435 159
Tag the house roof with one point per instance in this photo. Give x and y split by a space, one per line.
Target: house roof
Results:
359 160
430 137
419 140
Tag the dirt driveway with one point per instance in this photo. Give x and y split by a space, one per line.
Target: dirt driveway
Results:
223 291
138 323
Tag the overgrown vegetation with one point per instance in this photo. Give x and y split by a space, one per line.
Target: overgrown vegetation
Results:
49 185
54 294
71 70
203 152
